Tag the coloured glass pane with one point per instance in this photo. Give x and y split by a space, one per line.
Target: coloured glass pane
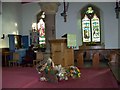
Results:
95 29
90 10
86 29
41 30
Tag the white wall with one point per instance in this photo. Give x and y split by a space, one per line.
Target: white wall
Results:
73 22
0 30
119 31
22 14
110 25
11 14
0 45
0 24
29 12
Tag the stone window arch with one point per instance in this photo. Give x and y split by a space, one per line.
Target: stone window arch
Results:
91 25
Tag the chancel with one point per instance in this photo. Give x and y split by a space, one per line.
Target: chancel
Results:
60 44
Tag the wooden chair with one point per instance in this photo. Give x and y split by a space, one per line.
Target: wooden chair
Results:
39 57
15 60
96 59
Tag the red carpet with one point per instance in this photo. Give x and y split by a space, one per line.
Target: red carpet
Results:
27 77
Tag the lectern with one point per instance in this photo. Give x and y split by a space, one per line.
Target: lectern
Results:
60 53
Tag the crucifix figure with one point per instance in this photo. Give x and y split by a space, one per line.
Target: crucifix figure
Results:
64 13
117 8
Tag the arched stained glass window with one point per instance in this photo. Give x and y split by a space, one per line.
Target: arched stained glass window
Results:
41 31
95 23
86 29
90 25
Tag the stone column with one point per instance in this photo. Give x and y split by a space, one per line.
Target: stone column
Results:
50 9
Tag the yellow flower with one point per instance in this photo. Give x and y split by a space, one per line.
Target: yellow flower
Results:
71 74
78 70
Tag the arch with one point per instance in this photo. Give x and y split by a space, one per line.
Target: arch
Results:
91 24
95 8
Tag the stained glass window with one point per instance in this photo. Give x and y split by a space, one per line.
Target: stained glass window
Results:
90 25
41 30
89 10
95 29
34 38
86 29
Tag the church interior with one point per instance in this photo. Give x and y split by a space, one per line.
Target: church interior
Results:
84 35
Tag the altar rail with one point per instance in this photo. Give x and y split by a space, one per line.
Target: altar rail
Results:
104 53
88 52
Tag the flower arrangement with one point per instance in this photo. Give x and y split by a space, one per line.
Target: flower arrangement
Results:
73 72
49 72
